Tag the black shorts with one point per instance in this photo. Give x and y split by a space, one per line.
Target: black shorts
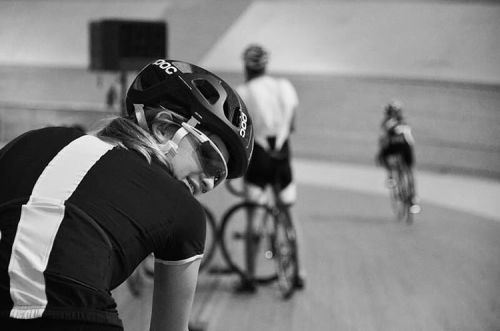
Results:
44 324
404 149
270 168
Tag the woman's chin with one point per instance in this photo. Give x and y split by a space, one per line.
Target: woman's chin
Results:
189 186
195 189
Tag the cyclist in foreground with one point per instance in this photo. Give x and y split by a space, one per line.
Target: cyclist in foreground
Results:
79 212
272 104
396 139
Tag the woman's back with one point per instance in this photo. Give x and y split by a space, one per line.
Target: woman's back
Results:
105 209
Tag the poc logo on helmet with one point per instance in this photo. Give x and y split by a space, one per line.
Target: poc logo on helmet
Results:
243 124
167 66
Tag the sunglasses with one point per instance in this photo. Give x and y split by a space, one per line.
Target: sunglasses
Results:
212 161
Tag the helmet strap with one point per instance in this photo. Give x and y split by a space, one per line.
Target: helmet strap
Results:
173 144
193 122
140 116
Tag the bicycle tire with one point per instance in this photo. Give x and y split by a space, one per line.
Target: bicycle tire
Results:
236 189
400 194
286 259
232 240
406 194
210 239
397 202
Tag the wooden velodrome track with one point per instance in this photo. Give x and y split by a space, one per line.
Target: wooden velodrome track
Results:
366 271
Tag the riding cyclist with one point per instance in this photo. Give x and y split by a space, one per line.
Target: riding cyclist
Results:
79 212
396 139
272 103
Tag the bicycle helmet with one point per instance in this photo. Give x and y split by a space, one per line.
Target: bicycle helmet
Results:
255 57
199 97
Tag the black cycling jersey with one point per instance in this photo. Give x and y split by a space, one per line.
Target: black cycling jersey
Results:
393 134
395 137
395 141
403 149
77 215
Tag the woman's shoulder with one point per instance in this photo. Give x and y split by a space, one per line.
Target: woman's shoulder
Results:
54 132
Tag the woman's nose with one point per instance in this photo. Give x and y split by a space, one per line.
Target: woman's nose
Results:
207 184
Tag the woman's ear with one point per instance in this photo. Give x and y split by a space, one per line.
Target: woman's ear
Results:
160 132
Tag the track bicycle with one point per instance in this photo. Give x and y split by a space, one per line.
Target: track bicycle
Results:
402 189
273 241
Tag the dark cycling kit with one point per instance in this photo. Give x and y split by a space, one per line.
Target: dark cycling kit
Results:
396 143
272 103
270 166
77 215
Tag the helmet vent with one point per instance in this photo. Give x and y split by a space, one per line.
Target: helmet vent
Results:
232 115
207 90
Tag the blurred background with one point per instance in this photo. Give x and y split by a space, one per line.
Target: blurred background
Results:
347 59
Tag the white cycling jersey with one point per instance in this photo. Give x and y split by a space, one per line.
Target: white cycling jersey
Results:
271 103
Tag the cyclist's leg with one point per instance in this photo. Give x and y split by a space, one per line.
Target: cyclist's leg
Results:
404 150
409 160
387 153
253 193
287 198
256 179
382 158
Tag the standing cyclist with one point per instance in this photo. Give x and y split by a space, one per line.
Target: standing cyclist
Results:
272 103
79 212
396 138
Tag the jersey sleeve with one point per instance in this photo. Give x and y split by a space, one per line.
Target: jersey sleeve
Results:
186 239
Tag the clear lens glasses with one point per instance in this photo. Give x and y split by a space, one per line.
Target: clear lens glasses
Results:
212 161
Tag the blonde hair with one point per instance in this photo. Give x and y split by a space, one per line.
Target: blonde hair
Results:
125 133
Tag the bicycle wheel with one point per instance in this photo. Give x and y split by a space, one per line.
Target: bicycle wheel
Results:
406 194
233 236
285 246
236 187
397 196
210 240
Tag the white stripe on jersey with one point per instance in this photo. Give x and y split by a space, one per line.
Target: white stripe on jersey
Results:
180 262
40 219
